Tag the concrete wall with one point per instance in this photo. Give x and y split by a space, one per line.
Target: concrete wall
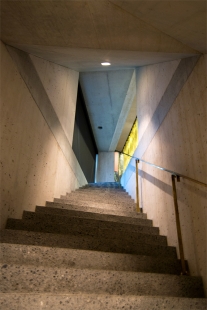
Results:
60 84
105 168
172 122
37 118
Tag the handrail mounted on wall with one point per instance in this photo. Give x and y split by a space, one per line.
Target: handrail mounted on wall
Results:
174 176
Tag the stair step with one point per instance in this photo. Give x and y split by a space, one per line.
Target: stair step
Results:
38 279
75 226
98 204
104 185
41 223
90 249
105 220
142 225
56 257
53 301
91 215
99 197
68 206
104 189
85 243
101 191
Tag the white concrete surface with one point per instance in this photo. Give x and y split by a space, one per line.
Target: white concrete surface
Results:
183 20
81 34
127 33
61 86
179 145
156 77
33 165
105 168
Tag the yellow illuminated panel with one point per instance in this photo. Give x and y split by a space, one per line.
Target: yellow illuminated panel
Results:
129 147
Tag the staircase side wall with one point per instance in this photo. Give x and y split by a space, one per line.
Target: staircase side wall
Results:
176 139
105 168
37 161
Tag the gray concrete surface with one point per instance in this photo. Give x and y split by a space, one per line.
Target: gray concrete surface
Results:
52 252
102 302
46 279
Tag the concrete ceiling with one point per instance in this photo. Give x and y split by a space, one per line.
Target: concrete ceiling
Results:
81 34
108 96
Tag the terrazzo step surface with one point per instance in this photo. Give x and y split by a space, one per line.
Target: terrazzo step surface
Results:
99 210
99 197
98 204
66 223
97 302
104 185
85 243
102 220
49 223
26 278
55 257
142 226
113 192
91 215
101 191
91 250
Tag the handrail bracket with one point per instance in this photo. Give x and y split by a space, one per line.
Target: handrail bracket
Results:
177 217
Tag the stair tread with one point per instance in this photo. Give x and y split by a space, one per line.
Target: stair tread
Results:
54 279
84 243
88 214
70 206
117 197
103 219
62 225
101 192
106 204
34 301
50 256
90 249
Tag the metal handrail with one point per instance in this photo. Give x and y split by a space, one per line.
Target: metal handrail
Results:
167 170
174 176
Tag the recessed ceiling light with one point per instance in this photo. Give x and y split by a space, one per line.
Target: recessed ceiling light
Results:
100 127
105 63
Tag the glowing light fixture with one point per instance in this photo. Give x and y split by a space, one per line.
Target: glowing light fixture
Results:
105 63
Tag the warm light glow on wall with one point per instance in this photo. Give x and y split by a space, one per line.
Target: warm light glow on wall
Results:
129 147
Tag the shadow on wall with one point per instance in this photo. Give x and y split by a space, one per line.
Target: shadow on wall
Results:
168 188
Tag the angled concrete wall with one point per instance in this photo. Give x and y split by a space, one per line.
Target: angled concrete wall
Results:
37 117
60 83
173 135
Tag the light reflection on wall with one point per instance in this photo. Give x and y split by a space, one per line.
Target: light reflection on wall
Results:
129 148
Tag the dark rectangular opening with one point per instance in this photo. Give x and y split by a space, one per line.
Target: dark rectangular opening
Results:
84 145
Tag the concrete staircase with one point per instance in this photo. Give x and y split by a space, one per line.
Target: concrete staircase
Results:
91 250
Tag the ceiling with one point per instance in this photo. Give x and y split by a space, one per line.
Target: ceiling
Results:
111 94
82 34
